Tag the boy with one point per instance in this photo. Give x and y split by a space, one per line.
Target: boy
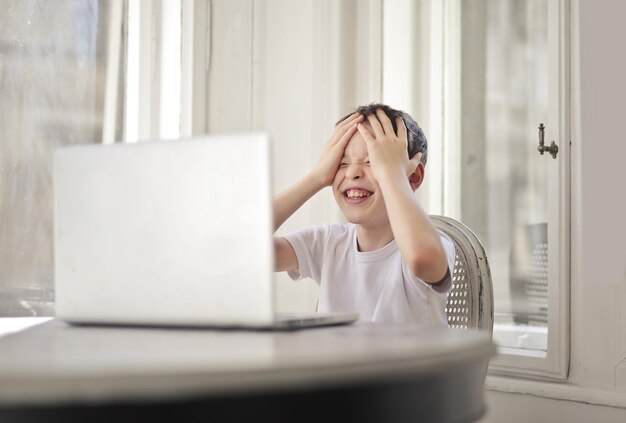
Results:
389 263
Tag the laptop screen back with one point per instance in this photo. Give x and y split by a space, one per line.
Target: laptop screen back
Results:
165 232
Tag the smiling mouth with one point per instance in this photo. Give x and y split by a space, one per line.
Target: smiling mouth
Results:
357 193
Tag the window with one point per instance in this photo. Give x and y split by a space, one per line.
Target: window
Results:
502 191
52 75
76 72
511 79
487 74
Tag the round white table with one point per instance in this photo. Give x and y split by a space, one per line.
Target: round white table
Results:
361 372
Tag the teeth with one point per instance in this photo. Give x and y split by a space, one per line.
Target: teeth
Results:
356 194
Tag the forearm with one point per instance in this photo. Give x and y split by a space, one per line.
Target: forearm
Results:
418 240
290 200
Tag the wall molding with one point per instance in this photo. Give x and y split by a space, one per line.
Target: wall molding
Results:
557 391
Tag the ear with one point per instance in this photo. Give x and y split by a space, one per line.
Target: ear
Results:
416 178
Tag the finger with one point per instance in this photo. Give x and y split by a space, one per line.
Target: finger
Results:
365 133
350 120
376 127
345 138
340 131
385 122
402 132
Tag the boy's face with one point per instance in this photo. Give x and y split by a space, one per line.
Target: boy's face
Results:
356 191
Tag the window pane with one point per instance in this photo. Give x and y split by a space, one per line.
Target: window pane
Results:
52 75
504 191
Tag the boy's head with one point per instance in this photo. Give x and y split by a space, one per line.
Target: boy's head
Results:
416 140
355 188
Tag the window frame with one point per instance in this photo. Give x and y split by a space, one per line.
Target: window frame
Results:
443 122
167 60
555 364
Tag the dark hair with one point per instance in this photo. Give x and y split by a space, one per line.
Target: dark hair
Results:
416 139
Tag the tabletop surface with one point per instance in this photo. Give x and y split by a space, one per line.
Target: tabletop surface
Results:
55 361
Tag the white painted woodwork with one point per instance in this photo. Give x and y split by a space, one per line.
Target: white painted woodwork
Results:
292 69
230 67
195 44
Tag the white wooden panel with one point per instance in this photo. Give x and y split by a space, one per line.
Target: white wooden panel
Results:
141 93
297 97
399 51
109 124
600 262
292 68
170 63
230 66
194 63
284 91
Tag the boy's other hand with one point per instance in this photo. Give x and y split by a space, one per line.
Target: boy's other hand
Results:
388 150
330 158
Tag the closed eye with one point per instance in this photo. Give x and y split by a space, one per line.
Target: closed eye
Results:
343 164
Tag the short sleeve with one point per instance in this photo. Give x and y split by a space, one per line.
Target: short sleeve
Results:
308 245
446 284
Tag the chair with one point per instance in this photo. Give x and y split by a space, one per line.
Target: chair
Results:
470 301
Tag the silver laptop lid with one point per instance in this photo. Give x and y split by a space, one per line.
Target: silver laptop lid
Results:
165 232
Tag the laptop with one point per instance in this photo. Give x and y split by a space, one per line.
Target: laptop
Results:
169 233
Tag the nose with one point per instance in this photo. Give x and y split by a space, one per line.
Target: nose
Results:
354 171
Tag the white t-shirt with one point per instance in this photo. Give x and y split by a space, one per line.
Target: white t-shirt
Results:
376 284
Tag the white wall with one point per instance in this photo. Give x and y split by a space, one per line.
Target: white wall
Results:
597 384
292 68
599 297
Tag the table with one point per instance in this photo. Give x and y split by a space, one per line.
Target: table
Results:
365 372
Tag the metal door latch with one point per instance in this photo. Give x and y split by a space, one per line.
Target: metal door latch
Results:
553 149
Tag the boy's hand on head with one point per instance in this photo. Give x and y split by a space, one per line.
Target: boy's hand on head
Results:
387 151
330 158
322 175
